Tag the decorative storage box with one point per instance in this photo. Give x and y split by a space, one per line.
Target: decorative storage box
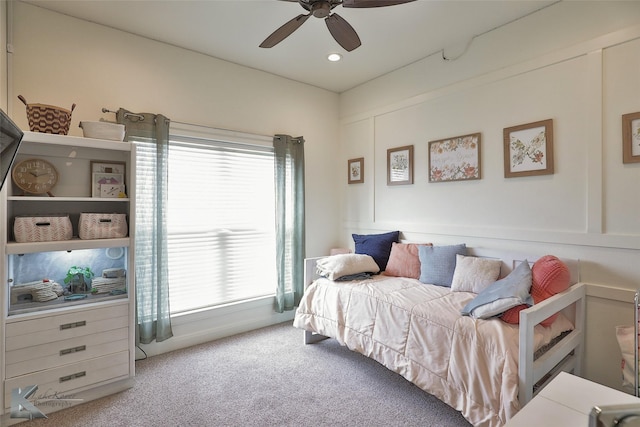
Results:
42 228
102 226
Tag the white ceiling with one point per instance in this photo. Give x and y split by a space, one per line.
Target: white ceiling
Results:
392 37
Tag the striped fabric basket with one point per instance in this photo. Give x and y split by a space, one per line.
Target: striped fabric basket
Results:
102 226
42 228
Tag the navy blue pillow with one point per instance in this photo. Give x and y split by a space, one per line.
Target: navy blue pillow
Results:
378 246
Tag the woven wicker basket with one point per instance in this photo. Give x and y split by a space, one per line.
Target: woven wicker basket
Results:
48 118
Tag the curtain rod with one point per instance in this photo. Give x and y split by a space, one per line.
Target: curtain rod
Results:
137 116
192 130
193 125
222 129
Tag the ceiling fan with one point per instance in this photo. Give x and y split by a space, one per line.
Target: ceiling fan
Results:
339 28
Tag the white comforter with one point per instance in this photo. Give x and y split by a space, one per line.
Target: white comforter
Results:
417 331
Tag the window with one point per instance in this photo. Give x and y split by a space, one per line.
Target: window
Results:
221 222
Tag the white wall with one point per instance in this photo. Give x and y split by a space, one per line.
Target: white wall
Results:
576 63
61 60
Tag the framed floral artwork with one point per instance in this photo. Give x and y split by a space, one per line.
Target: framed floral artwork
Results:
356 170
631 138
400 165
455 159
528 149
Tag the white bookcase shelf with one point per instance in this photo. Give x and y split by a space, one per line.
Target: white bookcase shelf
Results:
40 199
75 141
98 327
65 245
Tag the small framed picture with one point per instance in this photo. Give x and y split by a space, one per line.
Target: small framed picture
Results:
400 165
528 149
356 170
107 184
631 138
455 159
110 174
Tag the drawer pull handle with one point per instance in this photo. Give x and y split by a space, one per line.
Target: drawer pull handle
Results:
73 325
73 350
73 376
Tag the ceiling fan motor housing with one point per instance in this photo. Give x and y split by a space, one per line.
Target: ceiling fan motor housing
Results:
321 9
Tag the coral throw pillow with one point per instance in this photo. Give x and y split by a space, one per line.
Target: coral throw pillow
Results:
550 276
513 314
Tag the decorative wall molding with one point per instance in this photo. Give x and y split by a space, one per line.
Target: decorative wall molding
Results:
561 55
558 237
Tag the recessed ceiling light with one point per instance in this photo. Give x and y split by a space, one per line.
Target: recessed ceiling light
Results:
333 57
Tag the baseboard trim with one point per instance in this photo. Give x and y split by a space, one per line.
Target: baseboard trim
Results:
204 326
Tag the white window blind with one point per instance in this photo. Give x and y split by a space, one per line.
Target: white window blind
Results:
221 223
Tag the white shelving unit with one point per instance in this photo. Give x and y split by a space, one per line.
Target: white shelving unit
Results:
71 350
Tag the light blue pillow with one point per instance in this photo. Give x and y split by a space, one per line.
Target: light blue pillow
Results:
500 296
438 263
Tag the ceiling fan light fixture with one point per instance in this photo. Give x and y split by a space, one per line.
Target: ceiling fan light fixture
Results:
334 57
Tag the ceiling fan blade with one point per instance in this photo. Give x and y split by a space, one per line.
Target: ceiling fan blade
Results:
283 32
343 32
372 3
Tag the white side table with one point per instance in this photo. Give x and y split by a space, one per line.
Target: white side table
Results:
567 401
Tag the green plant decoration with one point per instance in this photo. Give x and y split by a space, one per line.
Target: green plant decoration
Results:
77 278
74 272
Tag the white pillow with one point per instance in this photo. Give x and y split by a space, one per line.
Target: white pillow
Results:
473 274
335 266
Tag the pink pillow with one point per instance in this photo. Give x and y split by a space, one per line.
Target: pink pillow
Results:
404 260
550 276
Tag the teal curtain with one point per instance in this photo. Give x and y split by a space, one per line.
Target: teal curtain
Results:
149 134
290 223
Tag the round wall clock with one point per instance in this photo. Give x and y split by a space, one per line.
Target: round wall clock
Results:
35 176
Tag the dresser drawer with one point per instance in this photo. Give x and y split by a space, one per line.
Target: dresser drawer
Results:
60 382
34 332
45 356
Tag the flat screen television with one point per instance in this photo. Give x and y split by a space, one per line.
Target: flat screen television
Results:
10 138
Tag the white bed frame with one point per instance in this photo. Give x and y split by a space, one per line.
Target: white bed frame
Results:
565 355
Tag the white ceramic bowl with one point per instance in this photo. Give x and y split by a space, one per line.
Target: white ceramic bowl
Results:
102 130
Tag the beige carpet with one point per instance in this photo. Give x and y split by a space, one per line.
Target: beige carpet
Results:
262 378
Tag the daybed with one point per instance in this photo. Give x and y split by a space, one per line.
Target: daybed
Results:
485 368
